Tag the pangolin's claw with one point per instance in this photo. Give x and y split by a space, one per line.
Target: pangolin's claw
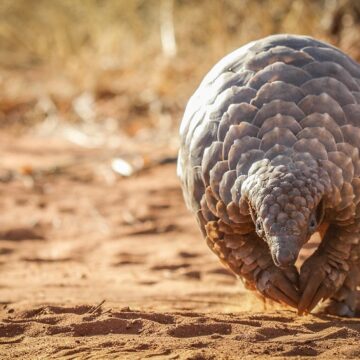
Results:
309 288
273 283
313 293
318 281
322 293
275 294
288 287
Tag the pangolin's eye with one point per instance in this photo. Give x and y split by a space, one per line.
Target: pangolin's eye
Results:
312 223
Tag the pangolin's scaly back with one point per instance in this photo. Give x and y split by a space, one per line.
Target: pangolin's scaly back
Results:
283 95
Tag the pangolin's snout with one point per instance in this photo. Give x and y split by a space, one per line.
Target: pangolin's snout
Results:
284 258
284 250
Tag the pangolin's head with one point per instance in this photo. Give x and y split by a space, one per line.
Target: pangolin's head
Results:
285 202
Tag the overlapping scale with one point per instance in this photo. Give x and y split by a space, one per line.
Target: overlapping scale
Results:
276 107
335 173
321 134
279 121
352 113
277 136
277 53
323 120
323 104
333 87
277 90
331 69
226 81
207 214
312 146
351 134
240 147
279 71
277 150
247 159
356 190
225 186
236 114
236 132
353 153
212 155
357 96
216 174
233 95
334 55
204 136
344 162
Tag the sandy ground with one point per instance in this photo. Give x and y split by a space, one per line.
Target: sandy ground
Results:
98 266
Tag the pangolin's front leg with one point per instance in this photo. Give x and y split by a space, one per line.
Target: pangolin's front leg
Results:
249 257
324 273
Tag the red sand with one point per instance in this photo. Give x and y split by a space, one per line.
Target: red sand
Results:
93 267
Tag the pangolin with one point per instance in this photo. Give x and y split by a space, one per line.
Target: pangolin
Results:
269 155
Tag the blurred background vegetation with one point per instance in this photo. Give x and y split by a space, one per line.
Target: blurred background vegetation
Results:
136 62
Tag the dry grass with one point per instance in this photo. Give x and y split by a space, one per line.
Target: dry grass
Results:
112 49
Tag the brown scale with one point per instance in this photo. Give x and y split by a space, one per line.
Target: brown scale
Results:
270 154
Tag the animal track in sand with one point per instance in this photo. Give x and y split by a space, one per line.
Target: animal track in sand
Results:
242 322
22 233
150 228
6 251
187 255
156 317
274 333
353 324
193 330
301 351
332 333
125 258
171 267
264 317
107 326
51 309
46 260
10 330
